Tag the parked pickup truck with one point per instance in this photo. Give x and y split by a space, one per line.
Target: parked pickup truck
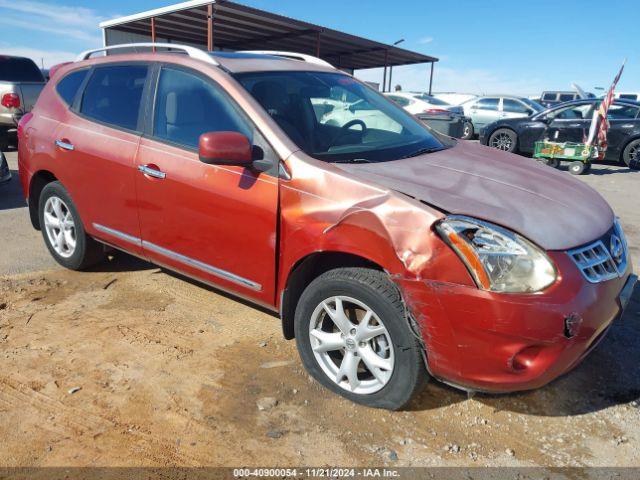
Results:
21 82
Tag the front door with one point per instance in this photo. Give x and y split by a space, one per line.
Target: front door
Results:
570 124
213 222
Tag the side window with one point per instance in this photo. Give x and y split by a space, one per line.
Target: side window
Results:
622 112
628 96
487 104
69 85
188 106
549 96
576 112
514 106
565 97
113 95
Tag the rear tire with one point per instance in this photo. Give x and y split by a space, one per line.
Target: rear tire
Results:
467 131
631 155
63 231
504 139
382 354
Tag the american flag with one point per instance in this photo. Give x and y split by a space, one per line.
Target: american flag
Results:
600 120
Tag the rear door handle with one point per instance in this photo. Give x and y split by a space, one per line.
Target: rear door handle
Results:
575 125
152 171
65 145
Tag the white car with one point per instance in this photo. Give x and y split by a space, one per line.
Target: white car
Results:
331 112
455 98
419 103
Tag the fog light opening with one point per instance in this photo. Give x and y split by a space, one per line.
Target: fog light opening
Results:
525 358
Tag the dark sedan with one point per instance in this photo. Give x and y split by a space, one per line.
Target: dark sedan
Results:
5 173
569 122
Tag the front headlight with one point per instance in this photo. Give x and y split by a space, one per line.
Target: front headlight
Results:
498 259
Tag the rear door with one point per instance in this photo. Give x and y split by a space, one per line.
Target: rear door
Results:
96 144
214 222
484 111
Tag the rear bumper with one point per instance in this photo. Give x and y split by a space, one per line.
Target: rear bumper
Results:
492 342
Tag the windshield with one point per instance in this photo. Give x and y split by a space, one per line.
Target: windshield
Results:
334 118
15 69
535 105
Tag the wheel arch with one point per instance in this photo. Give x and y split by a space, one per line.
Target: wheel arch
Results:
304 271
38 181
624 146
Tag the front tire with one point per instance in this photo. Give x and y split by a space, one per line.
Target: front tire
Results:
504 139
354 338
631 155
63 231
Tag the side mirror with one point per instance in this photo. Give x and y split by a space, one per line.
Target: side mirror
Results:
225 148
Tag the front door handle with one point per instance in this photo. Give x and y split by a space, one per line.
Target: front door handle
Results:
575 125
152 171
64 144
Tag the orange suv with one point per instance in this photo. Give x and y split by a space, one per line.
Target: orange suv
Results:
391 253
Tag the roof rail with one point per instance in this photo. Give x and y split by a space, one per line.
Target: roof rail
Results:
193 52
292 55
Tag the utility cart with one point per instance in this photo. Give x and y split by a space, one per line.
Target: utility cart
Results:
579 154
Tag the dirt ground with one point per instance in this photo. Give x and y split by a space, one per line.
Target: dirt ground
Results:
130 365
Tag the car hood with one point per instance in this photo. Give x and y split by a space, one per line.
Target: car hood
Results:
545 205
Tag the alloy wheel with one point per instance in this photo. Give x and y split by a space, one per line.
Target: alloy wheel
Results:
60 227
502 141
351 345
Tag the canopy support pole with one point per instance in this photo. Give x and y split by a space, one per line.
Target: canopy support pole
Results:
431 78
318 43
384 75
153 32
210 27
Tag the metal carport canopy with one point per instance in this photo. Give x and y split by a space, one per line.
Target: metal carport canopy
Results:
225 25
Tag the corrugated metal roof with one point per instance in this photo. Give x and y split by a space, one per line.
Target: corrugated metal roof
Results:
238 27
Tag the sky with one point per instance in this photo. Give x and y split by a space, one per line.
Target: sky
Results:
491 46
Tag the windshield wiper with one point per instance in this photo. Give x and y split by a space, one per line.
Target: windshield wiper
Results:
353 160
422 151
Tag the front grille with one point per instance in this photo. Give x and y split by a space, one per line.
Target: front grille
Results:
604 259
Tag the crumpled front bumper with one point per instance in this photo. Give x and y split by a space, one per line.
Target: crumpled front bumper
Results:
493 342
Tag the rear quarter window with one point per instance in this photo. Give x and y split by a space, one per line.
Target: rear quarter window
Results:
14 69
68 87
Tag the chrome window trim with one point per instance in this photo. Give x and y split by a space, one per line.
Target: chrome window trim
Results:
192 262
